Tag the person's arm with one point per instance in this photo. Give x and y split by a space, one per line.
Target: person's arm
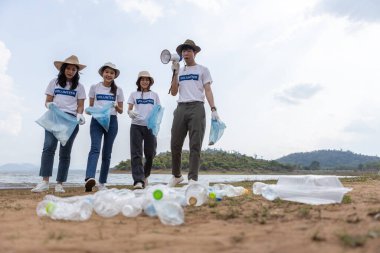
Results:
119 107
91 102
48 100
174 84
209 96
80 108
130 107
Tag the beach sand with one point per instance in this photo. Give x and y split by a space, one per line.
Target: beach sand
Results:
247 223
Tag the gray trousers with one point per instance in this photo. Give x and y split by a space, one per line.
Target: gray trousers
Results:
140 135
188 117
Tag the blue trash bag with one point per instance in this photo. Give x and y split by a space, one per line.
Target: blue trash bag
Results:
59 123
216 131
154 119
101 114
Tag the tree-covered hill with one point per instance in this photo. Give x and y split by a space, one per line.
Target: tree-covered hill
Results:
327 159
215 160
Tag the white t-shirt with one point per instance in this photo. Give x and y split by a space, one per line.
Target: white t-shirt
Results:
143 103
102 95
191 83
66 99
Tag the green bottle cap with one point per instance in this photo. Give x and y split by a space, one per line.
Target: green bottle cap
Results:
158 194
212 195
50 207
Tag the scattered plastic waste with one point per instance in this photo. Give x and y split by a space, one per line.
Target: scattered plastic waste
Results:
216 131
156 200
101 114
154 119
59 123
196 194
311 189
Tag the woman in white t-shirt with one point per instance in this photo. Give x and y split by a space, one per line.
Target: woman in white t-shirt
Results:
140 104
68 95
101 94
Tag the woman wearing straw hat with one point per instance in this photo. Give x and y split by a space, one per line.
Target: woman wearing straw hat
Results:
193 83
68 95
101 94
142 101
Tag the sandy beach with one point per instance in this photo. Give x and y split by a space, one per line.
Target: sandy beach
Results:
247 223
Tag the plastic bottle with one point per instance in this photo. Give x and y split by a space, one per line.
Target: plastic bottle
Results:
196 194
230 190
60 210
133 207
215 195
109 203
170 213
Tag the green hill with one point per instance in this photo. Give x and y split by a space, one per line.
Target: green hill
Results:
215 161
330 159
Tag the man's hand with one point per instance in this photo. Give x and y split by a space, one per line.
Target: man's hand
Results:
175 66
214 115
132 114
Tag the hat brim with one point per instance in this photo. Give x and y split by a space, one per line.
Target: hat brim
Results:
100 71
58 65
179 48
151 80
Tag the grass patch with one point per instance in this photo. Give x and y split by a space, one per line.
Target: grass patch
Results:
353 241
346 199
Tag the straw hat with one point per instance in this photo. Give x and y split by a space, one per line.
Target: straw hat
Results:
144 74
188 43
71 60
109 65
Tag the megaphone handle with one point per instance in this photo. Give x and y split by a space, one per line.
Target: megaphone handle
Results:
172 81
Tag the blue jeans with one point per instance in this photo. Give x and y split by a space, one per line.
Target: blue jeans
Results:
140 135
48 152
96 133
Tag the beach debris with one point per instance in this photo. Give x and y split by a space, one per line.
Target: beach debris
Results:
157 200
310 189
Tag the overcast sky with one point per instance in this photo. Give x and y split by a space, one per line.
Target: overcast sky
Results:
289 76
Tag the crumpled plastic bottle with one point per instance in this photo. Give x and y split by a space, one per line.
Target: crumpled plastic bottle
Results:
196 194
230 190
132 207
79 210
170 212
109 203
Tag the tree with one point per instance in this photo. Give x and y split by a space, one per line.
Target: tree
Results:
314 165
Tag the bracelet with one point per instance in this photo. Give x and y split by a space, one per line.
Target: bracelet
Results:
213 108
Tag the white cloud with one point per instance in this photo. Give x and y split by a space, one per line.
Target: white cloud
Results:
10 106
298 93
148 9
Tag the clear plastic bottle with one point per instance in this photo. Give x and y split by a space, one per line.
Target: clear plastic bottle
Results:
170 213
230 190
133 207
109 203
196 194
79 210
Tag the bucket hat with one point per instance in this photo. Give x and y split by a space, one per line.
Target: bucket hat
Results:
70 60
144 74
109 65
188 43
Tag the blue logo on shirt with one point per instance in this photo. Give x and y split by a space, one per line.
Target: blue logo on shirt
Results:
189 77
64 92
105 97
144 101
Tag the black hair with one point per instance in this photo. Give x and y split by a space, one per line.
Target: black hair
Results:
61 80
139 86
185 47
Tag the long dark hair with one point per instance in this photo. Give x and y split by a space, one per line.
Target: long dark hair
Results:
113 84
61 81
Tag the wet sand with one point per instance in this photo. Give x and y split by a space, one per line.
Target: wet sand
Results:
247 223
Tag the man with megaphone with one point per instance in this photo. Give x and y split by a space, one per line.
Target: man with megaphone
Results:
193 83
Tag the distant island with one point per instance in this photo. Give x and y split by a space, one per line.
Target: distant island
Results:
220 161
214 161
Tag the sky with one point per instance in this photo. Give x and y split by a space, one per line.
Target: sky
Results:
288 76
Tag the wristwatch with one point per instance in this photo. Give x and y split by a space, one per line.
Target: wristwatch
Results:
213 108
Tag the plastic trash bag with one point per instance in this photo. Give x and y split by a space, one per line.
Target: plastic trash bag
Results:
154 119
101 114
59 123
313 190
216 131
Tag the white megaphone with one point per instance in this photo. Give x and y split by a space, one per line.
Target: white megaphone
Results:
167 57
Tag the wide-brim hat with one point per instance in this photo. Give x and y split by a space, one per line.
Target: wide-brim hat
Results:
73 60
188 43
144 74
109 65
